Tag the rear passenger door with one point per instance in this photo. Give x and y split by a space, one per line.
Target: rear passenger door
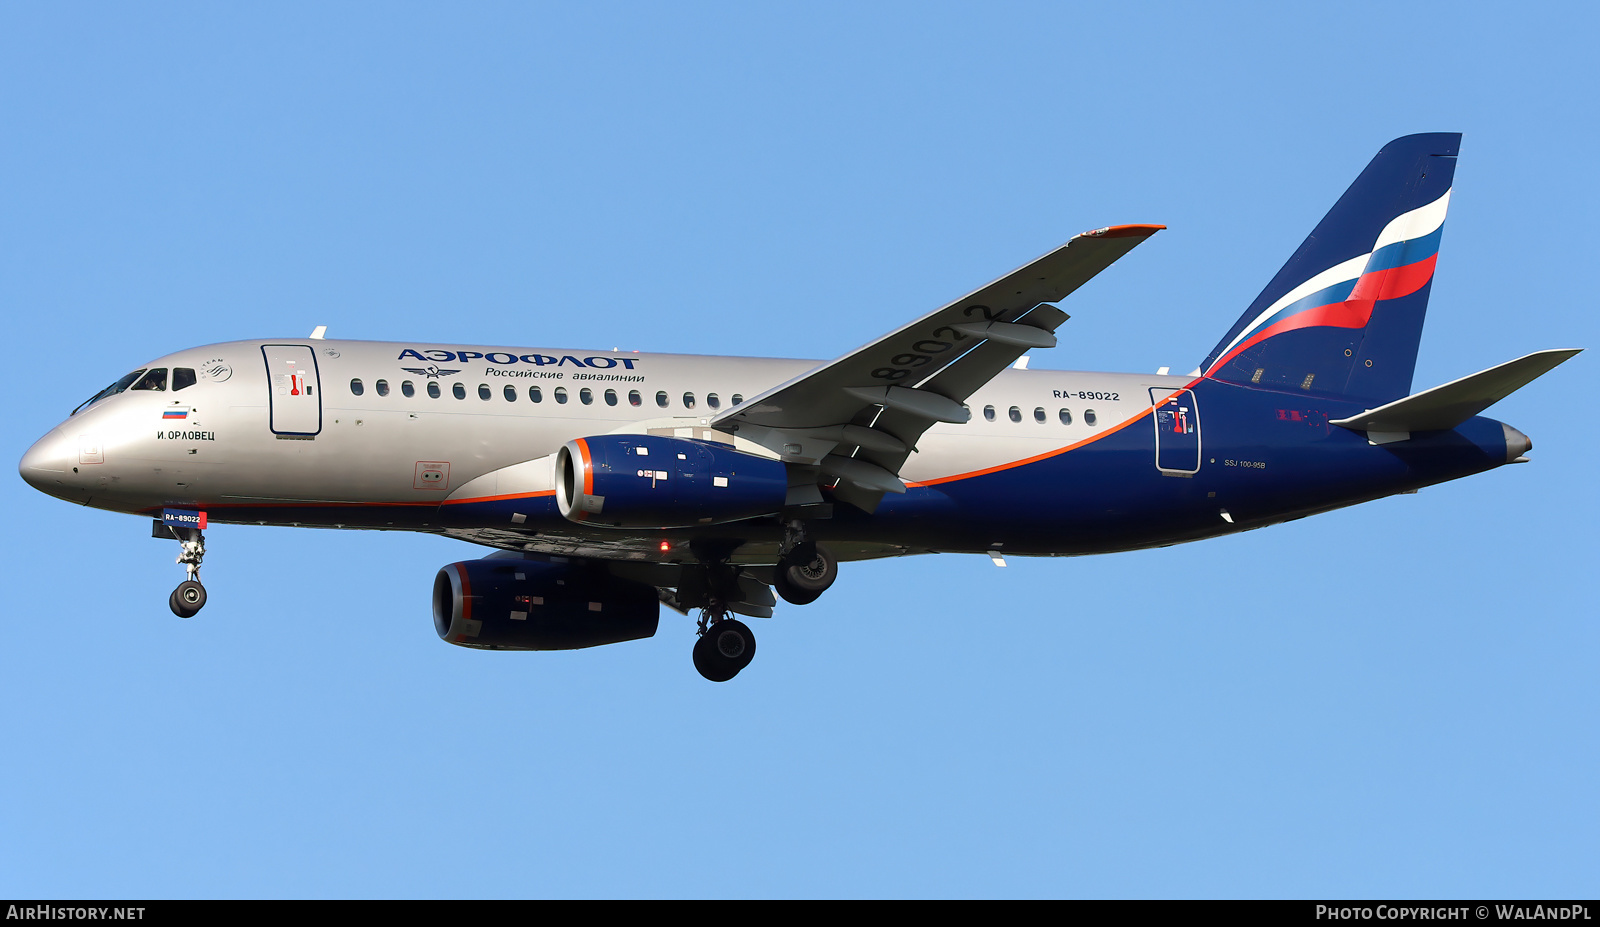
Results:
1177 421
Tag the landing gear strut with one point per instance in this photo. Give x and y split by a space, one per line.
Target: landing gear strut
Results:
187 600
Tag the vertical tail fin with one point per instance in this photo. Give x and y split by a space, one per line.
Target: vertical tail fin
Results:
1344 315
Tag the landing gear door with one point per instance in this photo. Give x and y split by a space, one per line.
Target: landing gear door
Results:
1177 422
294 390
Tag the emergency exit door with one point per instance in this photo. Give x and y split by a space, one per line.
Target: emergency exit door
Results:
1177 421
294 392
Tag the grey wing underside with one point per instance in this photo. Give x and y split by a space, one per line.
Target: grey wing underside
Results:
854 421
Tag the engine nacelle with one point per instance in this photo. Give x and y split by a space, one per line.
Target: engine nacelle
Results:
510 604
654 481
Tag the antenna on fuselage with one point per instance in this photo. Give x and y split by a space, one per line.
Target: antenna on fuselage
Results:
318 333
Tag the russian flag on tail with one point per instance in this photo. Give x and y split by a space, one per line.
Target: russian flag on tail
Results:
1344 315
1343 296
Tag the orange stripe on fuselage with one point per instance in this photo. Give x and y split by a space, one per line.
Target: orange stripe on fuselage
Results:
514 495
588 471
1048 454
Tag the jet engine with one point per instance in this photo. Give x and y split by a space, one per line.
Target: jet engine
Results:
654 481
503 603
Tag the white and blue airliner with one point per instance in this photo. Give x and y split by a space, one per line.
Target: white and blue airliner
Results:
612 483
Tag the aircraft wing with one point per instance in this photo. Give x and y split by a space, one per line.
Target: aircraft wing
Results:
856 419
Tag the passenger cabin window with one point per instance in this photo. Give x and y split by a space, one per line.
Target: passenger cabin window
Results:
586 395
1016 414
182 378
713 401
688 400
356 388
534 395
484 392
433 389
511 393
988 413
459 390
1066 416
407 389
737 398
561 394
382 386
661 399
154 380
1088 417
634 399
611 397
1038 415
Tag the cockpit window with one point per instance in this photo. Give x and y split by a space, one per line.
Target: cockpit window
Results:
111 390
182 378
154 380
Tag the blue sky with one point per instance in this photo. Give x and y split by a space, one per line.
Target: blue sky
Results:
1392 700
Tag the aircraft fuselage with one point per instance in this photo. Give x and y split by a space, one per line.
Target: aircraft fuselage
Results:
459 440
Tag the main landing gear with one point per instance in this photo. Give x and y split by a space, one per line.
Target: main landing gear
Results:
725 645
805 573
724 648
187 600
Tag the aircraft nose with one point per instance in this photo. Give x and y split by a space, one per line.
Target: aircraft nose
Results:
1517 443
45 466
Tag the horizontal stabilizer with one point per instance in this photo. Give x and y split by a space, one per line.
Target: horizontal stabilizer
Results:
1447 406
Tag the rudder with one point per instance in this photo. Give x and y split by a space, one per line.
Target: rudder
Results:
1344 316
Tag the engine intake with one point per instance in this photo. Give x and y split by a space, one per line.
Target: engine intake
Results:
655 481
510 604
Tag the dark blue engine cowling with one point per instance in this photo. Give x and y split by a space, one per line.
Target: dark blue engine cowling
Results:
654 481
509 604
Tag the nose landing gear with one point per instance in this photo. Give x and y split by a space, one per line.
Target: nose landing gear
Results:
186 600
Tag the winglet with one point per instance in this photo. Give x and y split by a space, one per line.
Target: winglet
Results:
1123 231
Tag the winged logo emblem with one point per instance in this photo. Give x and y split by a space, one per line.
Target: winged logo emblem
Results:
431 371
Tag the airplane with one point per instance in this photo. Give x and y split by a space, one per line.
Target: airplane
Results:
611 483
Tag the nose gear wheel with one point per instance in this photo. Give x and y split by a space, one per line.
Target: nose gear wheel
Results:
187 600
